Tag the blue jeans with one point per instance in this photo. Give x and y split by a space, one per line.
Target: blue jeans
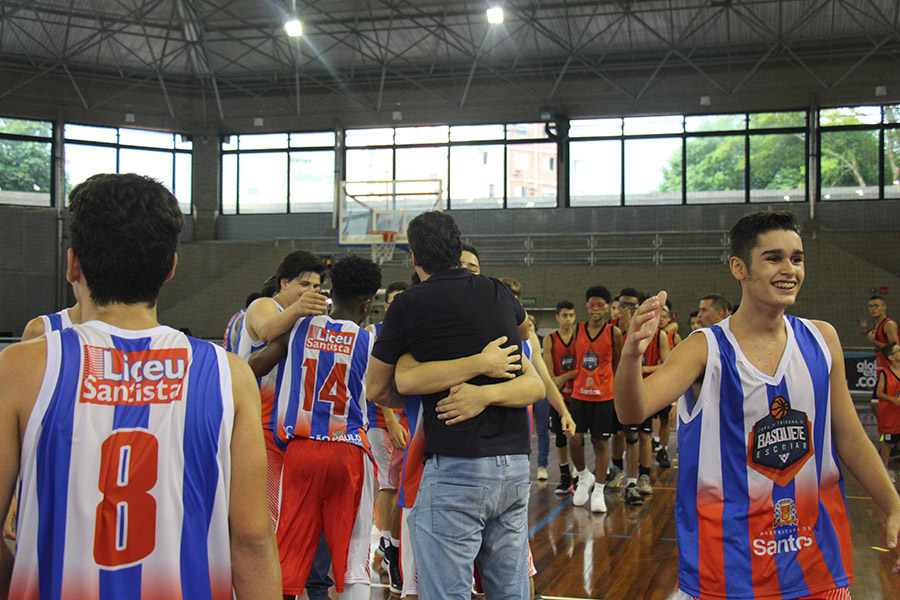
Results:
472 511
318 582
541 412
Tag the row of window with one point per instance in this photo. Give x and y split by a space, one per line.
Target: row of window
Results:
754 157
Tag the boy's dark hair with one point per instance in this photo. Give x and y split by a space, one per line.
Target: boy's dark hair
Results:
470 248
354 278
598 291
124 230
251 298
564 305
628 292
434 239
395 286
514 286
745 233
887 349
270 287
297 262
718 302
876 297
694 313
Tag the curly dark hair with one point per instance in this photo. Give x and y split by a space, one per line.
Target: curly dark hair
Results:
354 278
598 291
434 240
298 262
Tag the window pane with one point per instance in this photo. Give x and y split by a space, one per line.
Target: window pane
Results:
183 168
83 161
476 176
653 171
856 115
25 173
370 165
715 123
651 125
151 139
158 165
229 142
715 169
422 135
849 165
26 127
467 133
423 163
369 137
229 184
595 128
315 139
263 182
892 114
892 160
778 168
531 181
182 143
312 181
595 173
777 119
90 134
262 141
529 131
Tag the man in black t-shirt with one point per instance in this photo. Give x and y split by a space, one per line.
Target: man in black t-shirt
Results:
473 497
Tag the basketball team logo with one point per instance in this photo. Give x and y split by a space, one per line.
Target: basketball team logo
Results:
567 362
780 443
114 377
785 513
590 361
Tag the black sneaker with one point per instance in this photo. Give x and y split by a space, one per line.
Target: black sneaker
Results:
565 485
384 547
662 457
395 579
654 444
633 496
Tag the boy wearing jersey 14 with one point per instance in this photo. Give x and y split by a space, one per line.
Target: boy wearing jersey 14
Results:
142 468
760 506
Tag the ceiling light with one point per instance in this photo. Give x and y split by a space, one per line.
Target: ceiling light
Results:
294 28
495 15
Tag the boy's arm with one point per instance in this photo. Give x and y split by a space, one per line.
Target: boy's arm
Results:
854 447
432 377
637 398
265 322
267 358
380 386
256 570
881 389
466 400
617 339
35 328
554 397
397 432
558 380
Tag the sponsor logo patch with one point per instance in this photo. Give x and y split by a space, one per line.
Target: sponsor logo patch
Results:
115 377
326 340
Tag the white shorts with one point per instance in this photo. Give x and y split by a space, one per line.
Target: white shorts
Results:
407 562
382 452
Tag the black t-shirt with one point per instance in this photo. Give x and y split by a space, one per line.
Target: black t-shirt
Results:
454 314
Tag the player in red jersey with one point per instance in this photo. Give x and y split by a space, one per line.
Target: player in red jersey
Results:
888 390
559 358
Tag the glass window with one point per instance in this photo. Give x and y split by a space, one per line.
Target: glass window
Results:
183 142
158 165
470 133
778 167
316 139
476 176
148 139
892 113
652 172
715 169
595 173
262 141
529 186
848 164
529 131
25 172
715 123
183 181
312 181
777 119
422 135
856 115
423 163
229 142
263 181
892 158
369 137
90 134
370 164
82 161
653 125
26 127
595 128
229 184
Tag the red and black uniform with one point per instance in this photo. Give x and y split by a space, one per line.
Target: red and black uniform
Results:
881 362
888 412
651 359
592 390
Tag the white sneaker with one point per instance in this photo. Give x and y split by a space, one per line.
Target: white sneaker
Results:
598 502
585 483
542 473
643 485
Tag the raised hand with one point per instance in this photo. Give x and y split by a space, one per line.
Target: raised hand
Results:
312 303
644 324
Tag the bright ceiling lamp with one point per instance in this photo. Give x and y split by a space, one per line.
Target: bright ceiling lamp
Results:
495 15
293 28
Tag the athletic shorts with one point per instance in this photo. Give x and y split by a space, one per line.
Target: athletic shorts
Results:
890 438
382 452
407 562
646 426
597 417
330 487
555 422
663 415
274 464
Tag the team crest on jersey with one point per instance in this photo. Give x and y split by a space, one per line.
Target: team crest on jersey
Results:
780 443
785 513
567 362
327 340
114 377
590 360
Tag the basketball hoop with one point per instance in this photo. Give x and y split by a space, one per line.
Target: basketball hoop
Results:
384 251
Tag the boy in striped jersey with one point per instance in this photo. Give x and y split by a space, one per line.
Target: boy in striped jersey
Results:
143 463
760 505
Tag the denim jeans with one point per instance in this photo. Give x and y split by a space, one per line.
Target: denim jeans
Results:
472 510
541 413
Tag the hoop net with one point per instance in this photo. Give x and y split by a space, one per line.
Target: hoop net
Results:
383 251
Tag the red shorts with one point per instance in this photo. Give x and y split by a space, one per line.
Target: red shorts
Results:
325 486
274 464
